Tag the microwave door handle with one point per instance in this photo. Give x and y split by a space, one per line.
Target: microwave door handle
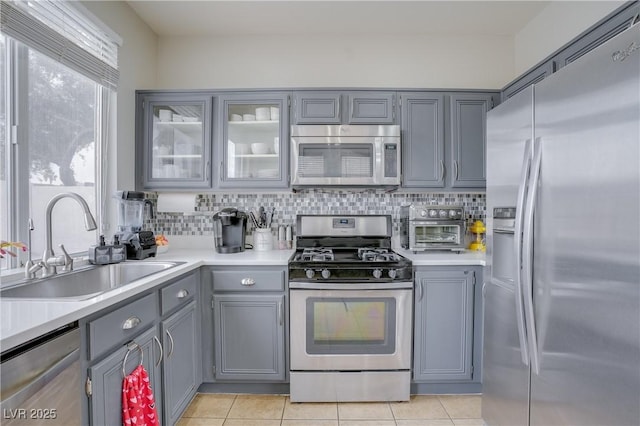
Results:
519 297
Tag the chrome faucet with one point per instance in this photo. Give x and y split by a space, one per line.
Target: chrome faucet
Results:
49 259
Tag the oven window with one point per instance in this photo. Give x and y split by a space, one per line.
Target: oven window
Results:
336 160
426 234
351 325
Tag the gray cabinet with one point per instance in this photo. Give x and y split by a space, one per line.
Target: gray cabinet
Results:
467 124
444 139
173 140
253 140
444 325
168 335
422 131
248 324
105 399
181 366
354 107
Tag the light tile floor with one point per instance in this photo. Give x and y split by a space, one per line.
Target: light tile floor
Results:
278 410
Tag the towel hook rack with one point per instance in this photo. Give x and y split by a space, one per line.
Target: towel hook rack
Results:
130 347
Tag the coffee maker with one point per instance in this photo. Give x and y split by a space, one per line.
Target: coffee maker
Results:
140 244
229 227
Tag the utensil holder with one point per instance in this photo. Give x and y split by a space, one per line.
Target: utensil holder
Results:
262 239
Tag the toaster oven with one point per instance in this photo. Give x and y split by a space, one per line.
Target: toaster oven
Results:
426 228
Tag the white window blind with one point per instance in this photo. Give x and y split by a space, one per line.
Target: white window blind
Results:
58 30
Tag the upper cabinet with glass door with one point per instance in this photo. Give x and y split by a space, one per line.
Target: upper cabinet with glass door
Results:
254 135
176 141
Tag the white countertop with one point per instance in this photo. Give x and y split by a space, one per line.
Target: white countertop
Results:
23 320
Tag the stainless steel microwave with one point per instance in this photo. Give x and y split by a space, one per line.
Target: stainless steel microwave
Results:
345 155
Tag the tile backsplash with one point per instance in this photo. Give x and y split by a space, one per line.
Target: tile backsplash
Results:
288 205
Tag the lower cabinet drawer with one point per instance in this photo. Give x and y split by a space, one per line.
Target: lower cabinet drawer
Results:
121 324
248 280
178 293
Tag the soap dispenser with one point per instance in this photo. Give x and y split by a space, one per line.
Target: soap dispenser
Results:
100 254
118 251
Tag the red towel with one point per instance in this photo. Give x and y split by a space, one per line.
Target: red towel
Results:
138 405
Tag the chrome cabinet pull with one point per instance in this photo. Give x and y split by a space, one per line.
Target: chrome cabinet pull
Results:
455 169
280 313
441 170
170 340
155 338
182 294
248 281
420 291
130 323
131 346
208 170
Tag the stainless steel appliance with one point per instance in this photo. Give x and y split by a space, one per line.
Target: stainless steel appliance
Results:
346 155
424 228
140 243
350 311
562 295
229 228
41 380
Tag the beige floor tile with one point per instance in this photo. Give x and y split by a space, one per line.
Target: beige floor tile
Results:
251 422
257 407
309 422
310 410
367 423
425 422
462 406
364 411
210 405
419 407
199 421
468 422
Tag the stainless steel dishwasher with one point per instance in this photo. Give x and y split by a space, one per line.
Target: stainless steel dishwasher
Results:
41 380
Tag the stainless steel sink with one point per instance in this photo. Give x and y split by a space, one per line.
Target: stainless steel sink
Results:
85 283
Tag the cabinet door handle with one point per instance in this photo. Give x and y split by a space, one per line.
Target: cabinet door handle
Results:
207 172
280 313
420 292
221 171
182 294
455 170
441 170
131 323
171 341
248 281
155 338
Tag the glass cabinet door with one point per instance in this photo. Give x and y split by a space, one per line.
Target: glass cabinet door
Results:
177 147
254 141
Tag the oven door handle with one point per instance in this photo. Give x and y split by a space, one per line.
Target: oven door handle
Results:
324 285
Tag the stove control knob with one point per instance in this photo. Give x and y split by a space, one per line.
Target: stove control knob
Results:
423 213
392 273
309 273
433 213
452 213
377 273
443 214
326 273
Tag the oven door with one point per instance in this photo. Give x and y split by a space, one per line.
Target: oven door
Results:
350 330
435 234
353 161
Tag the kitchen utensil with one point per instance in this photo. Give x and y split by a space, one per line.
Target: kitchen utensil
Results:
254 220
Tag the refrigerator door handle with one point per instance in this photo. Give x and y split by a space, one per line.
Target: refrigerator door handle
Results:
522 191
527 256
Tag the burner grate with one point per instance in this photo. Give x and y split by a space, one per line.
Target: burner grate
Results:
376 255
317 255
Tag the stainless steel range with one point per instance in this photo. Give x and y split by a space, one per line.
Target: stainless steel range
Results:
350 309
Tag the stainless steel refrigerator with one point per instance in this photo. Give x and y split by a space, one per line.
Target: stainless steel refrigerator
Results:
562 287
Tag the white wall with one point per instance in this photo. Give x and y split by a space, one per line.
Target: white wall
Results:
556 25
335 61
137 65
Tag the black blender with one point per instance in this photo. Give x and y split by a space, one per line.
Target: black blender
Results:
140 244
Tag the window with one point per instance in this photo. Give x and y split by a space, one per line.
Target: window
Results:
52 131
